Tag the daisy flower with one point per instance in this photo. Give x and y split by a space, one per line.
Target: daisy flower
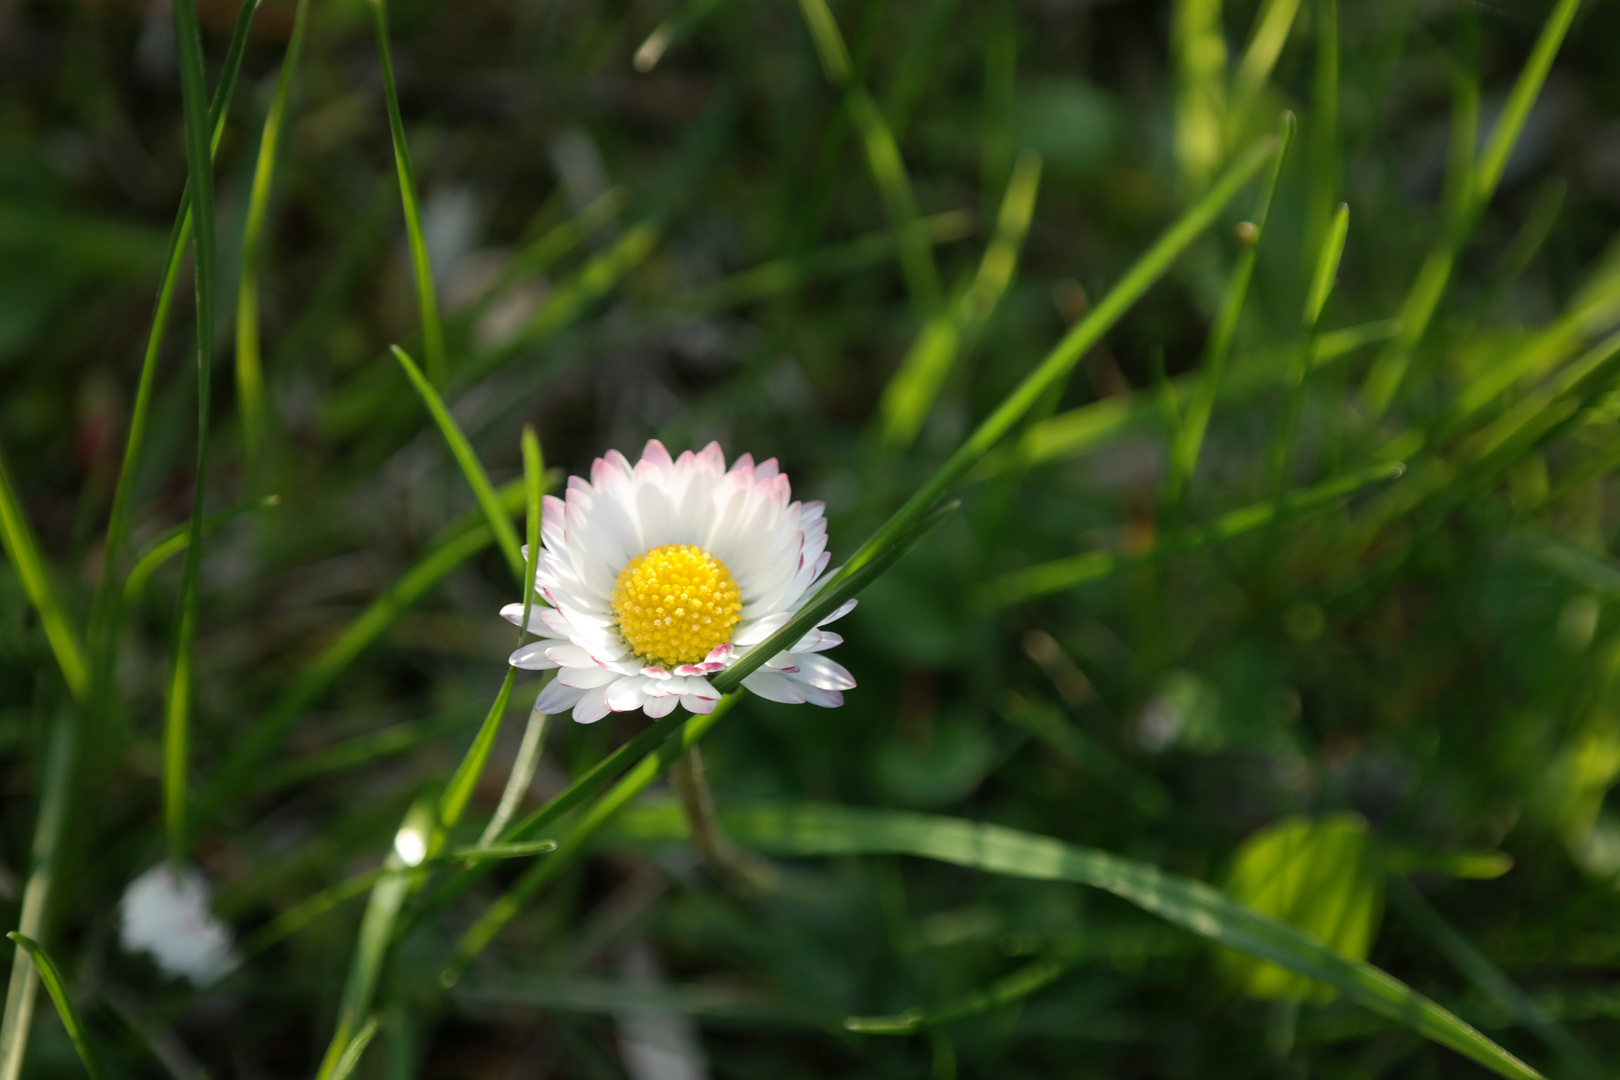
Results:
662 573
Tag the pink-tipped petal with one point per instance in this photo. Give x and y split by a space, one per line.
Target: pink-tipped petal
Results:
557 697
592 706
773 686
660 707
532 657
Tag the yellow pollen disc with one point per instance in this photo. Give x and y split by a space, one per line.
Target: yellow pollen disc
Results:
676 603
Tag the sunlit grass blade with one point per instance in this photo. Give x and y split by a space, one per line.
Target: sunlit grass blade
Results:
1051 371
460 788
1198 48
200 170
44 866
883 158
574 844
672 31
528 757
372 947
915 386
811 830
1271 27
1490 980
1322 130
249 369
1189 439
350 1057
1322 279
438 361
461 543
174 541
495 514
17 537
1470 194
64 1004
1003 992
1051 577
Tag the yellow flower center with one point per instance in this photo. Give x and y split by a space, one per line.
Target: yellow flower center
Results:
675 603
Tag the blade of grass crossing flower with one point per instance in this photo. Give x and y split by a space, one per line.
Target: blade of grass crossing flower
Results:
461 543
23 550
809 830
1271 27
528 757
912 392
604 810
883 158
64 1004
42 872
1490 980
1055 367
495 514
1051 577
1327 269
1003 992
249 369
1190 437
376 934
1470 197
438 362
199 166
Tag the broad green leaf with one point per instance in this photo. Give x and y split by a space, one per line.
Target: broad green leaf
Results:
1322 876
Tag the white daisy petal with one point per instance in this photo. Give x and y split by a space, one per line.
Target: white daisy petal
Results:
586 678
629 692
592 706
659 707
557 697
532 657
774 686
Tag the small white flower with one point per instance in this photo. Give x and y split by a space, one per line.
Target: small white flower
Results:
663 573
168 916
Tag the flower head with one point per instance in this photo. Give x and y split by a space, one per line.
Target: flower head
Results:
661 573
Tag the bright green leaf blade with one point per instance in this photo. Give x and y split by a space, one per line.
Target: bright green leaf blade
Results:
457 793
64 1004
23 550
808 830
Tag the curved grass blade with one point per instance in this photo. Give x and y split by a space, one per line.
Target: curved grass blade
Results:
461 543
1060 574
64 1004
672 31
438 361
1271 27
1472 194
351 1053
1015 987
1051 371
22 549
1322 279
495 514
249 369
1189 439
810 830
883 158
200 169
915 386
174 541
609 806
1490 980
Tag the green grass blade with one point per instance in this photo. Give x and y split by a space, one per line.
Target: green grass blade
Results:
371 950
1323 130
1051 371
911 393
42 873
453 803
200 169
1322 279
672 31
1327 267
457 547
1198 46
23 550
1056 576
1470 196
175 540
1271 28
883 158
249 368
438 361
350 1057
528 757
1189 439
809 830
1490 980
495 514
1003 992
64 1004
574 844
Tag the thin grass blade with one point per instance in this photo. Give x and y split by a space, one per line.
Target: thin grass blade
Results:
22 549
64 1004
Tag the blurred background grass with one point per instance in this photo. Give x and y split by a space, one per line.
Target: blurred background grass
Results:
1411 687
